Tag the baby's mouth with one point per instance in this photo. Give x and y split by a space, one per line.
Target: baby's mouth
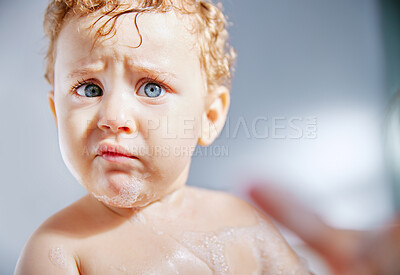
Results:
114 153
115 157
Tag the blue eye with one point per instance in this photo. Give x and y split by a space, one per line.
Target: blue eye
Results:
89 90
151 90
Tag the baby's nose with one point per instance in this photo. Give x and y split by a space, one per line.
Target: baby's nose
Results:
116 115
117 126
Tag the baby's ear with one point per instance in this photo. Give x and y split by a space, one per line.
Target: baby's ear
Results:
50 96
213 119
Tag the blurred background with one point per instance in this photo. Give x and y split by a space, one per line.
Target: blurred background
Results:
328 66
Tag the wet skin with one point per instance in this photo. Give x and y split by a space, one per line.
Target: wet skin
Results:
139 218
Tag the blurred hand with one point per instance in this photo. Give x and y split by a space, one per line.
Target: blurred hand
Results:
348 252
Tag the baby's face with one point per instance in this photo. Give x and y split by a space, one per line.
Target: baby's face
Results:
128 118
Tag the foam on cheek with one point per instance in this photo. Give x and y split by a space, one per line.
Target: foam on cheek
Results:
57 258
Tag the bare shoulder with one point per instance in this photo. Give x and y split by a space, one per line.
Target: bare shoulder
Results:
51 249
251 226
225 209
47 253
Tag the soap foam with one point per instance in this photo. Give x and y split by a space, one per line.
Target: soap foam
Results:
118 269
57 258
266 245
127 196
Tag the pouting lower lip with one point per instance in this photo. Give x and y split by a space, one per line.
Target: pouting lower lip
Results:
113 154
114 150
115 157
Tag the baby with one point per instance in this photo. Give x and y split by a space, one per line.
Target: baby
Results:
136 85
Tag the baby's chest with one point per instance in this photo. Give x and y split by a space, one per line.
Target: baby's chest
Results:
146 253
166 253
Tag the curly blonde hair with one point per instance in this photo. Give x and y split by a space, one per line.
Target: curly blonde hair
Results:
217 56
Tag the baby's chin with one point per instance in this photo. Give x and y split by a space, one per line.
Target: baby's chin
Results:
127 198
122 191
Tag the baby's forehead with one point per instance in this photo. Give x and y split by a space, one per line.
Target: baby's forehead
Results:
160 40
163 33
173 23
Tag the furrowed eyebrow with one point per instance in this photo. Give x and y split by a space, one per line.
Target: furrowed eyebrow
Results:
94 68
150 69
134 67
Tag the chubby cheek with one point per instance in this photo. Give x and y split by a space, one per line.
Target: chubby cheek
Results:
73 127
173 143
